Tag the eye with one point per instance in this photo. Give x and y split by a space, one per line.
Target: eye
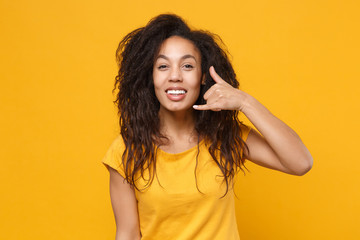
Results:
162 67
188 66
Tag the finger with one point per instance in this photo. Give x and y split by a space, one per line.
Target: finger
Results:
201 107
206 107
209 92
215 76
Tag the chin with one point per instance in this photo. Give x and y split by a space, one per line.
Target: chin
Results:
176 108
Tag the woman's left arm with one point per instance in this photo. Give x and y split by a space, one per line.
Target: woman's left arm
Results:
278 146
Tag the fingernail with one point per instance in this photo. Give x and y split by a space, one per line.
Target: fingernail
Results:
195 106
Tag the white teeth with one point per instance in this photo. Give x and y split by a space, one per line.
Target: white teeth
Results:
176 92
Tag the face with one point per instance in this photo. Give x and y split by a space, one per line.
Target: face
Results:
177 74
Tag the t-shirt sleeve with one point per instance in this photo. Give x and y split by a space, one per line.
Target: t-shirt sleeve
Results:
245 130
113 157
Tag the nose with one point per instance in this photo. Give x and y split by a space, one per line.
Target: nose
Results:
175 75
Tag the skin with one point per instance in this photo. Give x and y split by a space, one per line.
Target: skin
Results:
124 206
275 146
178 64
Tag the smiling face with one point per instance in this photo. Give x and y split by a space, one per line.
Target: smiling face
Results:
177 74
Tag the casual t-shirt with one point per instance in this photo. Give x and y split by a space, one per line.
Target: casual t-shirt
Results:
173 207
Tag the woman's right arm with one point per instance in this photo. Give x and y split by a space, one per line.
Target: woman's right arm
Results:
124 205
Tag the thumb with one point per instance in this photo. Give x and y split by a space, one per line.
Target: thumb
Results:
215 76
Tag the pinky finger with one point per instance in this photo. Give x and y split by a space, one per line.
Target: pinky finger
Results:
201 107
206 107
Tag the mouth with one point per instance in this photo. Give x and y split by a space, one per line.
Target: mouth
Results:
176 92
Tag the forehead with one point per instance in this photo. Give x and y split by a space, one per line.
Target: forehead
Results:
176 46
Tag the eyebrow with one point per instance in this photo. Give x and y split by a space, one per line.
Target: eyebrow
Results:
182 58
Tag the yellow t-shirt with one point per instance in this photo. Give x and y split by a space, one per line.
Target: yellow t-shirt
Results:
172 207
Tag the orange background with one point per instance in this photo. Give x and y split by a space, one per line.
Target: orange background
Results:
299 58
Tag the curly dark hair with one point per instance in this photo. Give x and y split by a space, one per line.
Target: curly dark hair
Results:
138 110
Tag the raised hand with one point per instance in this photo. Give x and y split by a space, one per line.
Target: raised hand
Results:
222 96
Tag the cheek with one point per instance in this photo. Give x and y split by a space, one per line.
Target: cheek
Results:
158 85
196 84
154 77
157 80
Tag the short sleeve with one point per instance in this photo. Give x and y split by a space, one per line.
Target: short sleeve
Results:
245 130
113 157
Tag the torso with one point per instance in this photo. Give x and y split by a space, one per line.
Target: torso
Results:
178 145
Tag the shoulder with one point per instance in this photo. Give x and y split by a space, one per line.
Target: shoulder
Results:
118 143
113 156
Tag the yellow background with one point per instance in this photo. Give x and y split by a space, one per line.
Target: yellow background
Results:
57 68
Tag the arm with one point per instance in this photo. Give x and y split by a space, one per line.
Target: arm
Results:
124 206
277 146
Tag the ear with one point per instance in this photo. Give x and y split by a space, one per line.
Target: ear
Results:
203 79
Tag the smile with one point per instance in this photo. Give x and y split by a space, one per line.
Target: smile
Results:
176 92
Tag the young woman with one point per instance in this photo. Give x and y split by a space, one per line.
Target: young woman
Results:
181 143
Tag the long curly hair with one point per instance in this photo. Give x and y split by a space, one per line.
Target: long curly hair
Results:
138 106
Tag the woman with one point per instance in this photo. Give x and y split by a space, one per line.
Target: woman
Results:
181 143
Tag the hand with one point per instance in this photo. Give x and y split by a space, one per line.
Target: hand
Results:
222 96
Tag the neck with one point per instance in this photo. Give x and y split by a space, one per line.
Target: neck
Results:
178 125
